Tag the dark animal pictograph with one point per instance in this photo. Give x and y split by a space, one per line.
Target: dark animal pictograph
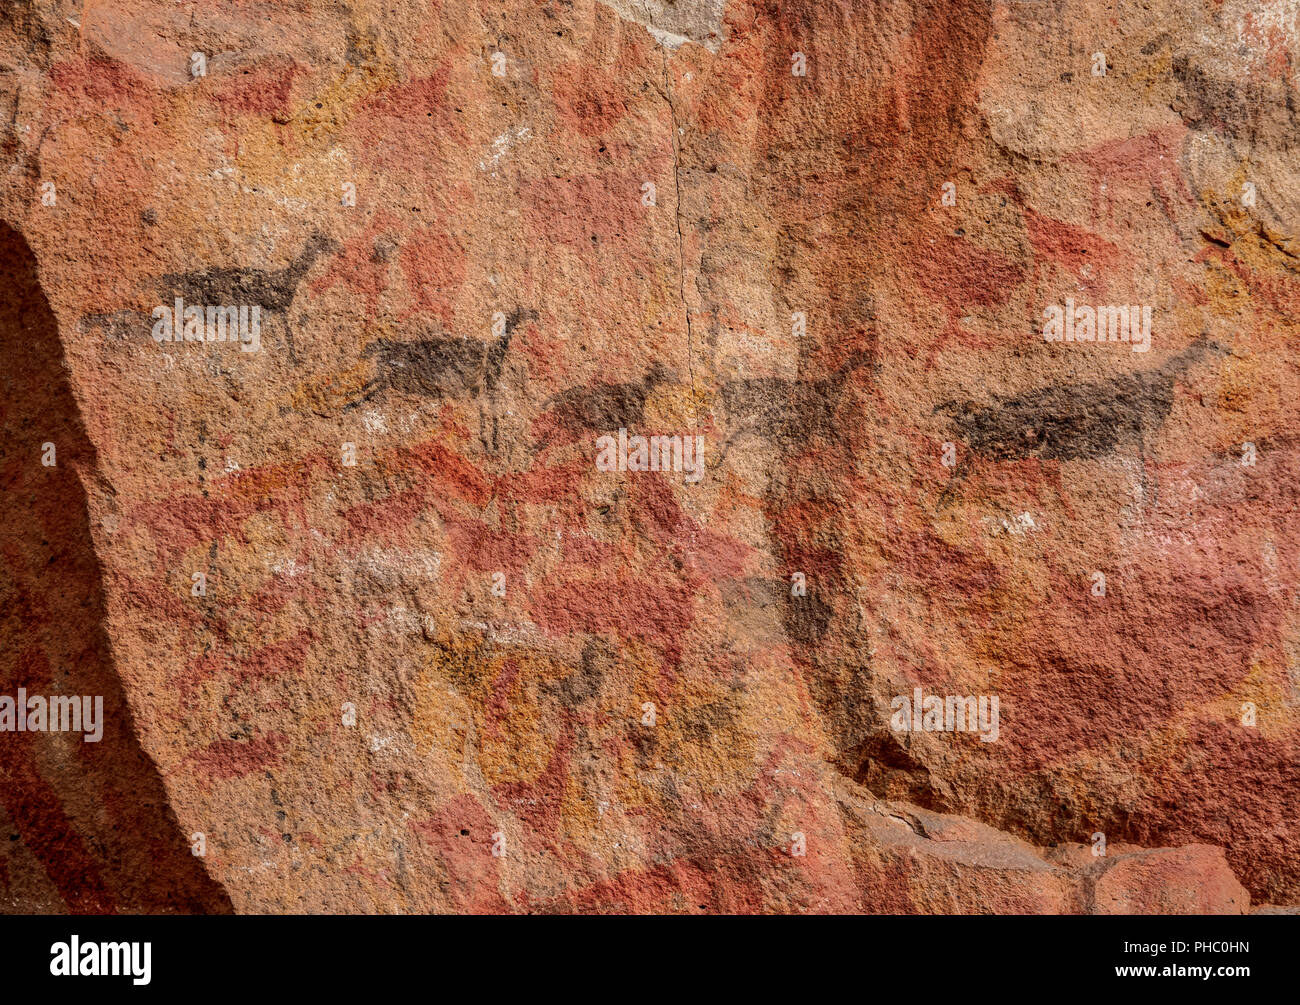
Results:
603 406
787 412
1075 421
437 368
273 290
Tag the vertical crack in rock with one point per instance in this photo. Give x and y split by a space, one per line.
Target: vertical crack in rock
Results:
85 826
677 219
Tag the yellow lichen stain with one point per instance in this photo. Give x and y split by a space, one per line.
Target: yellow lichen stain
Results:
702 734
1252 241
1237 383
1225 294
579 815
321 165
464 660
327 395
272 481
1155 74
521 736
1261 688
517 730
674 407
442 720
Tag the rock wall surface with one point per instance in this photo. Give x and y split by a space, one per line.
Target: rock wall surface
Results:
383 614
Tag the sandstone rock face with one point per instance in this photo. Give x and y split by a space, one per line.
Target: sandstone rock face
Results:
385 617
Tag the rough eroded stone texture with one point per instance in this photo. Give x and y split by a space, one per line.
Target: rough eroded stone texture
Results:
1191 880
503 293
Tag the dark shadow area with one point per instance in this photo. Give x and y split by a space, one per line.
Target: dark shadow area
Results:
84 827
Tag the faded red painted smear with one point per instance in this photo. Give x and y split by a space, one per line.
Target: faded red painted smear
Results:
405 120
260 91
590 101
958 273
223 760
537 803
1147 163
434 266
630 608
478 547
460 833
362 267
599 217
